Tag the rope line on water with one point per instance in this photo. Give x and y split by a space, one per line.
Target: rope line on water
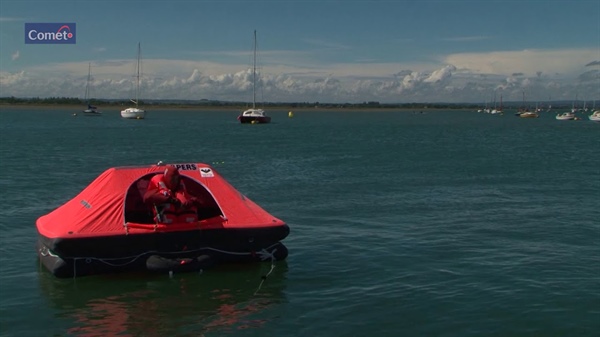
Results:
264 277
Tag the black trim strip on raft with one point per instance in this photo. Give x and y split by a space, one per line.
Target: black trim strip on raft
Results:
81 266
263 254
133 244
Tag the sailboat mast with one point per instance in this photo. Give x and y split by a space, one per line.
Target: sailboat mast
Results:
137 84
500 102
254 75
87 86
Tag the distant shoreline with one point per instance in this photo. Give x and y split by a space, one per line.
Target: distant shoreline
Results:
149 107
112 107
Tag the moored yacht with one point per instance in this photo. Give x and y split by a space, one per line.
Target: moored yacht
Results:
254 115
135 112
91 110
529 114
565 116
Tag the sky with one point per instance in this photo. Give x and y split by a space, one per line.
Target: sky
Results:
351 51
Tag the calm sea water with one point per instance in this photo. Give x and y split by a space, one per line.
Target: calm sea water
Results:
447 223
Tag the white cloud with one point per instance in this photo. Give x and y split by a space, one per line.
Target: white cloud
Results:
7 79
467 77
440 75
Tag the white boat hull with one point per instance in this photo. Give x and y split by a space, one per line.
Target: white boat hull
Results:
133 113
529 115
567 116
89 112
254 116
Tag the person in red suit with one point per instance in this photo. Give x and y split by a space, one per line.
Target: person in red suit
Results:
170 201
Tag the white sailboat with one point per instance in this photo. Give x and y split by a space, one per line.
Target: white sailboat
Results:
135 112
499 110
566 116
549 104
254 115
524 111
91 110
595 116
574 108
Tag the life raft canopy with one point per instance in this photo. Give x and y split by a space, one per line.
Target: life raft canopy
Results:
115 198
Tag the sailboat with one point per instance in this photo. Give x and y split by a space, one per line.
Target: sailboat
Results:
574 108
525 113
254 115
595 116
566 116
135 112
91 110
569 115
499 110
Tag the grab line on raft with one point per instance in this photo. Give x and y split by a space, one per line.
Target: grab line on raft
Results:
263 254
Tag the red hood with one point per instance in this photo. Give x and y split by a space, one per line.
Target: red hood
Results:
170 173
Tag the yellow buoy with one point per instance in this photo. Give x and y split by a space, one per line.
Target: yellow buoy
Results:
290 114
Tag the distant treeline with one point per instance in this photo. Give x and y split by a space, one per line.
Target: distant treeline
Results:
213 103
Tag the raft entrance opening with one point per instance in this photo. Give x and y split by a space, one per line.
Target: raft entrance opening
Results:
138 212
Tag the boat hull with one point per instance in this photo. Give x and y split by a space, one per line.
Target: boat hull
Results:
91 113
254 120
529 115
567 116
184 249
133 113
